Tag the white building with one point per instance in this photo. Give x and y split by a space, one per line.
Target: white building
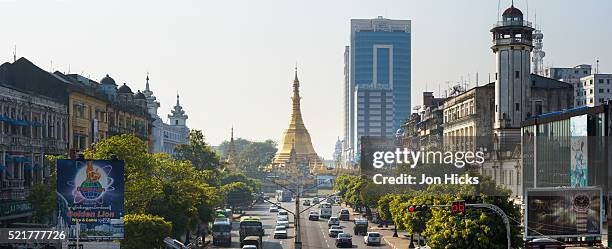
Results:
569 74
166 136
593 90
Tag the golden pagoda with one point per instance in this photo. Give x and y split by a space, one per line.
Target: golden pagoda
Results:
296 139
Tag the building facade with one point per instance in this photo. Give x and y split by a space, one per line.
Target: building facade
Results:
593 90
166 136
377 79
33 123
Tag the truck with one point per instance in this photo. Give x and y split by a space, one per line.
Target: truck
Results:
325 210
361 226
222 232
283 196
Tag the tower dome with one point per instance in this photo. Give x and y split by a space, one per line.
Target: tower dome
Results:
125 89
512 12
139 95
107 80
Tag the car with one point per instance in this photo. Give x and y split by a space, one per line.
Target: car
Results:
306 203
313 215
280 232
334 231
333 221
344 240
282 221
372 238
249 247
273 209
344 214
315 200
282 212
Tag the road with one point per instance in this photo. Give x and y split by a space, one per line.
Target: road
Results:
314 233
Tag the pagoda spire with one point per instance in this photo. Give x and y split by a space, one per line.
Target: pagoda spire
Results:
231 154
147 86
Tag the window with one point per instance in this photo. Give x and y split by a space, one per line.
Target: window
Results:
176 122
538 107
601 90
601 81
517 74
601 100
517 106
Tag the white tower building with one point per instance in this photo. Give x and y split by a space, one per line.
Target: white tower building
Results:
538 53
512 46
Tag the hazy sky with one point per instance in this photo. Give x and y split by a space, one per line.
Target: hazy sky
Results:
232 61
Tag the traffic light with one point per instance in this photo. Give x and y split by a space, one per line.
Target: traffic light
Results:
458 206
415 208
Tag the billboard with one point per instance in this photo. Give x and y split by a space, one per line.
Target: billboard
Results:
578 151
563 212
91 195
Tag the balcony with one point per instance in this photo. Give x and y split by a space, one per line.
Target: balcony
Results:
512 41
507 23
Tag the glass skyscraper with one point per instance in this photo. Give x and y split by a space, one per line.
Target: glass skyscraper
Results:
377 79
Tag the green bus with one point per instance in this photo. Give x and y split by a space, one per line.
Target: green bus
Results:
250 226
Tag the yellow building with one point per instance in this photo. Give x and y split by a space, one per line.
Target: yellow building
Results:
88 120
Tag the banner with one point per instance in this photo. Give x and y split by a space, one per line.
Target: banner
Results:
579 152
564 212
91 194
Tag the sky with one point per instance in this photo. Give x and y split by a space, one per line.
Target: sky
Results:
232 62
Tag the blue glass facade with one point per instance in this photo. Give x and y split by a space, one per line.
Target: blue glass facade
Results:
382 59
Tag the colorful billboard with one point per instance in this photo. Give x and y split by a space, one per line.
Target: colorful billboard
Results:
563 212
91 194
579 152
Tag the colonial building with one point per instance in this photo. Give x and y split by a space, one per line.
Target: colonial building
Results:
166 136
33 123
101 110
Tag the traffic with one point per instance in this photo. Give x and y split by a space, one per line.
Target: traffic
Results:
271 225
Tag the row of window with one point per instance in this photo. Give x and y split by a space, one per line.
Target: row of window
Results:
459 111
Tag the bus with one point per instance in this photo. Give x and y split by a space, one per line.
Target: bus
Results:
325 210
250 226
222 232
283 196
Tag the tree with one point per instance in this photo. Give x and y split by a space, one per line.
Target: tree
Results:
237 194
145 231
255 155
198 152
231 177
158 184
43 197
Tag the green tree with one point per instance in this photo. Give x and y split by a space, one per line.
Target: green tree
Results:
254 156
145 231
43 197
158 184
231 177
198 152
237 194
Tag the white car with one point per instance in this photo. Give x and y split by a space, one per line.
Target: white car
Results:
333 221
372 238
280 232
249 247
282 221
273 209
334 231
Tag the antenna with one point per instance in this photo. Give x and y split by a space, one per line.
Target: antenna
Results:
15 53
499 9
527 2
476 79
597 67
51 66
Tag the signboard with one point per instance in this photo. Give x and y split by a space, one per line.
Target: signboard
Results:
91 195
563 212
578 149
9 208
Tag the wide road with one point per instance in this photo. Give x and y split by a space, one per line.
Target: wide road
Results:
269 222
314 233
